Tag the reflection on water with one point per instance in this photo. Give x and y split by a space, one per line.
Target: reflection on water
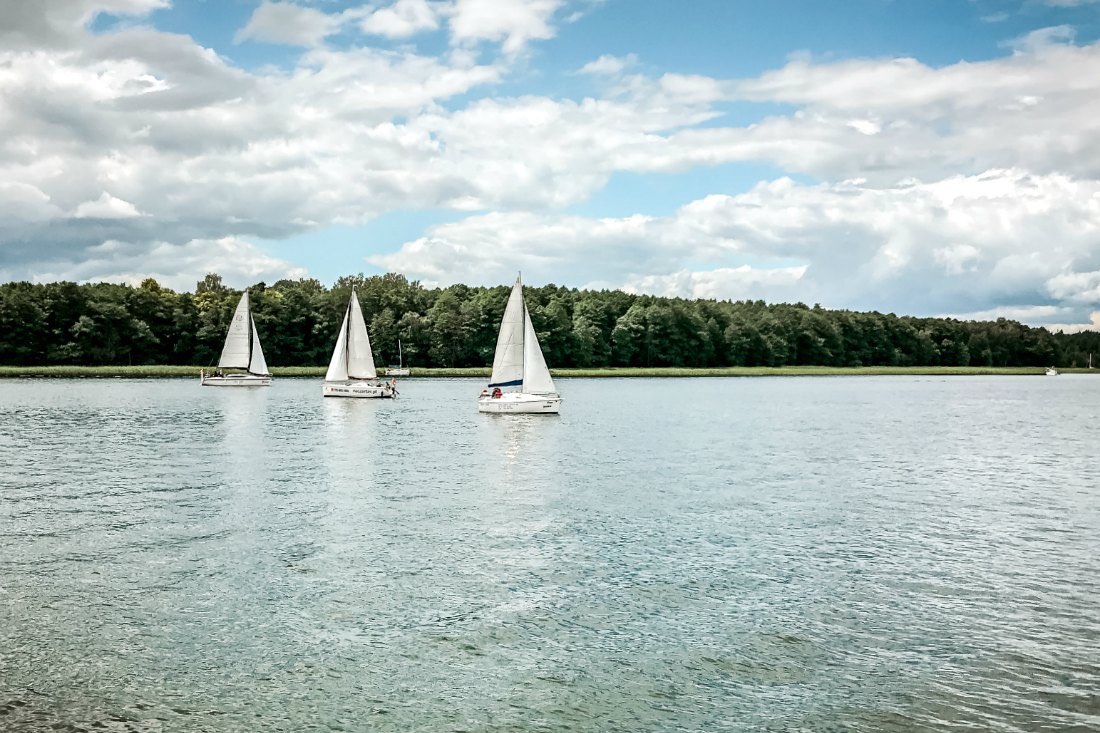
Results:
521 438
817 554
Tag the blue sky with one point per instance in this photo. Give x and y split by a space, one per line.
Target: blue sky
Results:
917 156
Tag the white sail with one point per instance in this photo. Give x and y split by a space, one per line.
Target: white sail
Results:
338 365
360 358
508 360
536 376
259 363
235 353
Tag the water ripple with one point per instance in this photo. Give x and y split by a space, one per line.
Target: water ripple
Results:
883 554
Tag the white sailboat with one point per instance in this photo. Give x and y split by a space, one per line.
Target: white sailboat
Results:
400 370
351 371
241 351
1051 371
521 382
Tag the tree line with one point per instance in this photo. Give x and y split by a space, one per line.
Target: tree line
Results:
110 324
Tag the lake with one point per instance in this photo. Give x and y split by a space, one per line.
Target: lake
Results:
816 554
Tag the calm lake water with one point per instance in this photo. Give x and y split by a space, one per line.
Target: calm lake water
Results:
817 554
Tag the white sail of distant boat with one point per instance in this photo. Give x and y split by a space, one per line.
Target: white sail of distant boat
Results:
521 381
400 370
242 350
351 371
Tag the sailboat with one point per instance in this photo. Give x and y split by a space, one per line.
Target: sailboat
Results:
241 351
400 370
351 371
521 381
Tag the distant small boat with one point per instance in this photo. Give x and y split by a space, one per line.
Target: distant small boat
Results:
351 371
1051 372
400 370
241 351
520 382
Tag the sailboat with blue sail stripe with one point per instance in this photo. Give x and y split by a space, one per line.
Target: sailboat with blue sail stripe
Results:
521 381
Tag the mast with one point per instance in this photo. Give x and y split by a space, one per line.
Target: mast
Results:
251 328
523 340
523 331
348 334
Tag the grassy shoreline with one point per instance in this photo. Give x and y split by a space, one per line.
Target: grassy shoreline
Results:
108 372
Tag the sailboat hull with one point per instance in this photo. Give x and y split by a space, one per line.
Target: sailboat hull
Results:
363 390
396 372
520 403
236 380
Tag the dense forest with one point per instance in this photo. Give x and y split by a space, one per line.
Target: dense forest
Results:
108 324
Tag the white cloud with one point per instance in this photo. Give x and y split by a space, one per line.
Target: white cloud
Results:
403 19
956 189
923 248
1025 313
512 22
58 22
1091 324
957 258
731 283
1041 39
1035 109
296 25
179 267
21 203
1047 316
106 207
608 65
1075 287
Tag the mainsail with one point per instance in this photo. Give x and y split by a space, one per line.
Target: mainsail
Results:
236 354
360 358
508 360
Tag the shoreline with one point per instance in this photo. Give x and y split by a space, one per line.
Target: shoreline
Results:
188 372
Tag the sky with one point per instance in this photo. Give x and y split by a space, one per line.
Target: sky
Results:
921 157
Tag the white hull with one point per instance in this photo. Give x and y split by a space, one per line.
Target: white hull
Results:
396 372
521 404
235 380
1052 372
358 389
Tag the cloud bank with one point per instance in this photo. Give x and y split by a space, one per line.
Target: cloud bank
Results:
967 188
